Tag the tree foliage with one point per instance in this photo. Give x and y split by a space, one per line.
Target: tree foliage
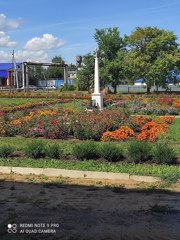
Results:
85 75
36 73
111 52
55 72
152 53
109 43
149 53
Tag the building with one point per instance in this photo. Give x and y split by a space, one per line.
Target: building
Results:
72 74
53 83
10 75
17 75
140 82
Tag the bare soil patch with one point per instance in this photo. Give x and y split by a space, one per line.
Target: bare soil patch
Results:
87 209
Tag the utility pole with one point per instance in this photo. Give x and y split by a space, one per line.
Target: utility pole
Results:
15 71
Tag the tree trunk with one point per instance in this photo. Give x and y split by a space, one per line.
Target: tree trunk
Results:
115 89
148 90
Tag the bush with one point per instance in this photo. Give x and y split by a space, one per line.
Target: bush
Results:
111 152
86 150
35 149
139 151
68 87
6 150
53 151
163 154
91 125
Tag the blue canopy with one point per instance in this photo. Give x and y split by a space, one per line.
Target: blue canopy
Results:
3 74
6 66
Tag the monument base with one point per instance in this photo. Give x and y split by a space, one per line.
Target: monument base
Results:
97 100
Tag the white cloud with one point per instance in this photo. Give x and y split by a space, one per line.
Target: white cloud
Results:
25 55
6 24
5 41
46 42
36 49
5 57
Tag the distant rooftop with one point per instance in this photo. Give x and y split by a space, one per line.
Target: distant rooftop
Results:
4 67
7 66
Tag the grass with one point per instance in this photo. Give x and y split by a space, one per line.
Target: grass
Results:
19 143
168 173
76 105
173 136
6 102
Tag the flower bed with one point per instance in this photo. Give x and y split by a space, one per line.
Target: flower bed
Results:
61 123
123 133
43 119
149 129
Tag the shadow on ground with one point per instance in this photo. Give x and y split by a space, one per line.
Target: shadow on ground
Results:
86 212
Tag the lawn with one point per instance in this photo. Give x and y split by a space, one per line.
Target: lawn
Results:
173 136
169 173
6 102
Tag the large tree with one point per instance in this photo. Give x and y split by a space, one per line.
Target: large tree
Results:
111 49
55 72
85 75
152 53
36 73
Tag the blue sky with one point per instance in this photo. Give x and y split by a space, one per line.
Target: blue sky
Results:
38 30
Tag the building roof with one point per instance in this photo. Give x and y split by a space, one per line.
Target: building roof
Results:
3 74
7 66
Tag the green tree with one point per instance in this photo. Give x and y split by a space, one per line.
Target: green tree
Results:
111 52
53 71
85 75
72 67
152 53
36 73
112 71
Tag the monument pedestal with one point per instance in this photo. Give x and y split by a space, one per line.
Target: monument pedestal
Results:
97 99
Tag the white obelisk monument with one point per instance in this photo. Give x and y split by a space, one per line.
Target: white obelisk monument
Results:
97 97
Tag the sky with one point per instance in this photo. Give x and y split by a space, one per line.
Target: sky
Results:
38 30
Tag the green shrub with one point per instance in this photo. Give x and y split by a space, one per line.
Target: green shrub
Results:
139 151
53 151
163 154
35 149
6 150
111 152
68 87
85 150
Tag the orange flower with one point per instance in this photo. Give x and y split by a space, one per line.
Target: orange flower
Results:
16 122
151 130
176 103
164 119
141 120
120 134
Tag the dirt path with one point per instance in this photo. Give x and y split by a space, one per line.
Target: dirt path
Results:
86 209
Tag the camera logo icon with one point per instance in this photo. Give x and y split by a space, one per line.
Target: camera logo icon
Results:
12 228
